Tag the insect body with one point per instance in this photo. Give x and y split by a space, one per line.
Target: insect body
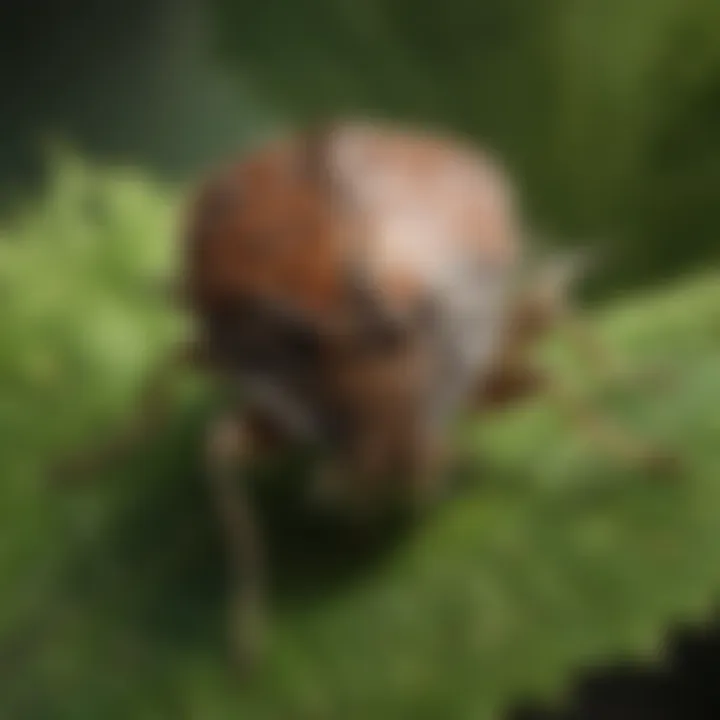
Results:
355 280
360 286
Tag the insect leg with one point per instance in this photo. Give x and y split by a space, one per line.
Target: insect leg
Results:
229 447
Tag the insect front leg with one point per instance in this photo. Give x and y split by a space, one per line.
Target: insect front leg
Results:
606 434
592 351
510 384
230 447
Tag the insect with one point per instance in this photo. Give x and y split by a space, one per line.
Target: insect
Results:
359 287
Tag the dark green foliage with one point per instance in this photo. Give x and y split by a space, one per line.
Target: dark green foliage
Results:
607 109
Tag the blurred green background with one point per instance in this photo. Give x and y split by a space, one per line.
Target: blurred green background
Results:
111 595
606 109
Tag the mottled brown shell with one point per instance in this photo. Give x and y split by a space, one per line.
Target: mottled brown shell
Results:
354 228
283 222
